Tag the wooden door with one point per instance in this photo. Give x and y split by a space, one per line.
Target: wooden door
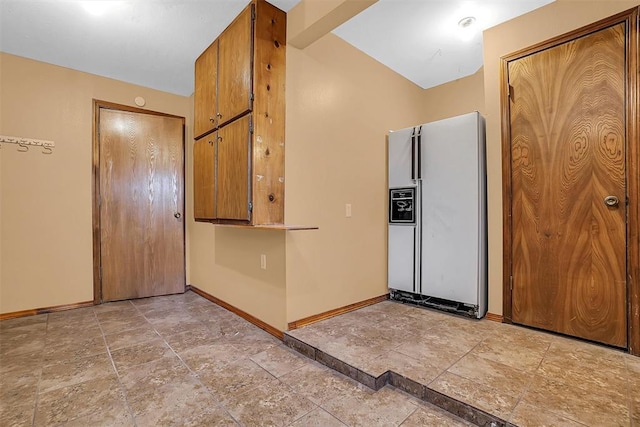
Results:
567 124
206 74
235 72
141 186
204 178
234 142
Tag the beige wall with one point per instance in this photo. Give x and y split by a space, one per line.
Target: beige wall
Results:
540 25
454 98
225 262
45 200
340 106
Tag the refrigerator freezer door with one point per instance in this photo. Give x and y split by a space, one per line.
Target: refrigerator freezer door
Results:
452 210
402 239
400 159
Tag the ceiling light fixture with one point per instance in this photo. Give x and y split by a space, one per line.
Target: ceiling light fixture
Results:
467 22
467 28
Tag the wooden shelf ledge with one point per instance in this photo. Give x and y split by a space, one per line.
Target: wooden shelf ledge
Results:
285 227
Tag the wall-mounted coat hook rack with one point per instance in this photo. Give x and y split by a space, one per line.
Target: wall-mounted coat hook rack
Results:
24 143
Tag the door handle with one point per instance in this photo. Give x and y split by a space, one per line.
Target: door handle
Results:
611 201
419 152
177 215
413 154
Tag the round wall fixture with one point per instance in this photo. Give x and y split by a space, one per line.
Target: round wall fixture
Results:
140 102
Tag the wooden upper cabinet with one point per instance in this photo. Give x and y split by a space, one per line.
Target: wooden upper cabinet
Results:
235 76
206 91
269 114
239 156
204 178
233 142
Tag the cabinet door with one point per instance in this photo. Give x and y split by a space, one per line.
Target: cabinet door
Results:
204 178
235 73
234 141
205 90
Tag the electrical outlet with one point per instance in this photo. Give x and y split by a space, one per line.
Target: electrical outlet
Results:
347 210
263 261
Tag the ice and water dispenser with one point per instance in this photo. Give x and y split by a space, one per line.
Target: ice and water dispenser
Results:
402 206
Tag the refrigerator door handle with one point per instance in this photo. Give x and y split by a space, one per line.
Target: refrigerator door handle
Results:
413 154
419 136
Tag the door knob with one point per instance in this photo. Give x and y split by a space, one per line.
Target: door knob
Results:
611 201
177 215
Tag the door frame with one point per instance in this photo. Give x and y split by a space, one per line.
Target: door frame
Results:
630 19
95 188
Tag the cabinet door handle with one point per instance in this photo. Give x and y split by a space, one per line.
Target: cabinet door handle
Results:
219 115
177 215
212 120
219 138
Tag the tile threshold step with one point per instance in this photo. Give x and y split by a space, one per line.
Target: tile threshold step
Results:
421 391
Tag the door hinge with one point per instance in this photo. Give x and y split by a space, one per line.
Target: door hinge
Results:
251 97
511 283
250 207
510 92
250 125
253 12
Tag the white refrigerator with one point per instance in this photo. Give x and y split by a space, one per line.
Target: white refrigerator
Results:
437 234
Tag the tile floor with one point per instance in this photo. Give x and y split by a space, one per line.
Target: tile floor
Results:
182 360
522 376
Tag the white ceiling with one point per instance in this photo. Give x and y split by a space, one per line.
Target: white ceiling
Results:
421 39
154 43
